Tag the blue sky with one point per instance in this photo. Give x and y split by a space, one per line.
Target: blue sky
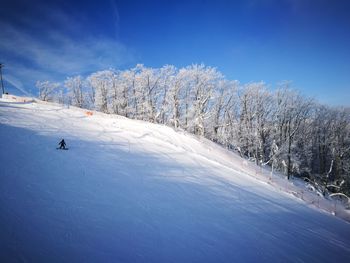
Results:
306 42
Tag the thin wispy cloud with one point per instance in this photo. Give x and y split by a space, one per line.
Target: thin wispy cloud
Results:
55 48
116 17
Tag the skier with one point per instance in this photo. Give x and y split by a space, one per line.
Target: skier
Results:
62 144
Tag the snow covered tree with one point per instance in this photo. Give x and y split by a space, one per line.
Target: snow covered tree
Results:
199 82
255 121
173 90
218 124
120 92
292 110
148 81
47 90
247 126
167 83
101 83
75 88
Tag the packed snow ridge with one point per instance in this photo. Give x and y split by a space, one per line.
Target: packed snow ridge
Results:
132 191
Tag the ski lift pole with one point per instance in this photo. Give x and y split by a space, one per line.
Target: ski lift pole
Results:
2 83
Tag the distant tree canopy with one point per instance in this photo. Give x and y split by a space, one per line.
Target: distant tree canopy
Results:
281 128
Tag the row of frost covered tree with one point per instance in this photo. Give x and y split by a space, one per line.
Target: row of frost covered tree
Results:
280 128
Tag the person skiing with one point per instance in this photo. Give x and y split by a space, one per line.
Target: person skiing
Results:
62 144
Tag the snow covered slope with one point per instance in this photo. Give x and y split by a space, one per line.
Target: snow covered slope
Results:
130 191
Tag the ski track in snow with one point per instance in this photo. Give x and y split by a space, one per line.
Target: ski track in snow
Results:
131 191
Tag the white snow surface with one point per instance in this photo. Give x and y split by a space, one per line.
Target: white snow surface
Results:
132 191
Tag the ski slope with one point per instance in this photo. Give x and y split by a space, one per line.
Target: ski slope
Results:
131 191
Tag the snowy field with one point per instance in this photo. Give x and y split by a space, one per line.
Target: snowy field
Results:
131 191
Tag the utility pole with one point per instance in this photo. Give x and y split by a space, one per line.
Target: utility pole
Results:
2 83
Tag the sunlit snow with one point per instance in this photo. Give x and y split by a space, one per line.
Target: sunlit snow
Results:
131 191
